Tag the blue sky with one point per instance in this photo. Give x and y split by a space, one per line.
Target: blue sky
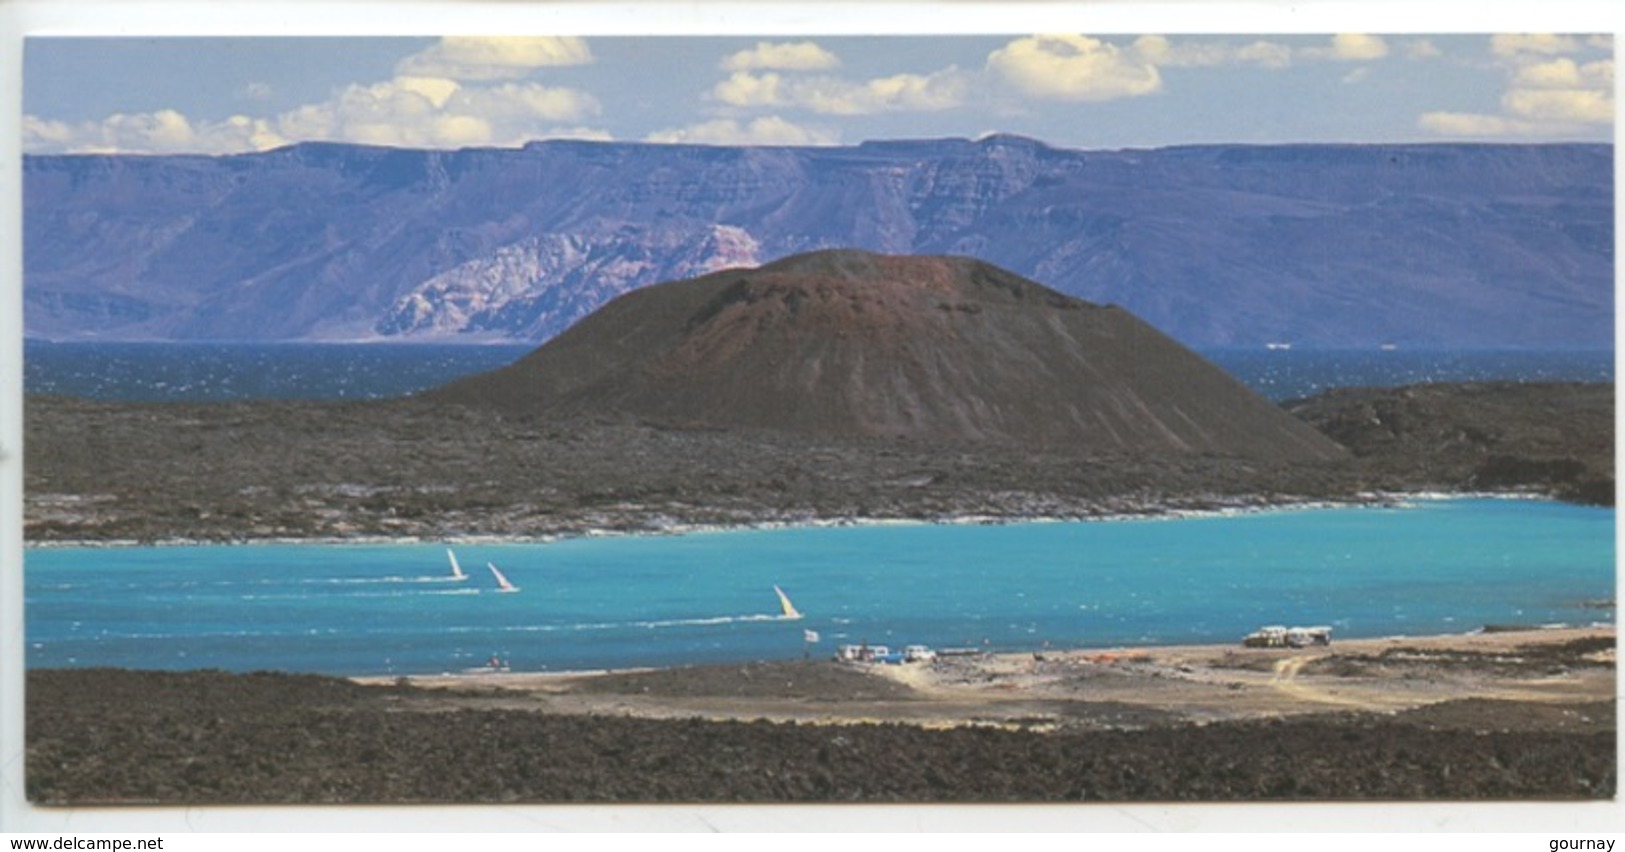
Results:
226 95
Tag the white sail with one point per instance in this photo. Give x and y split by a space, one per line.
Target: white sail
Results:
456 570
502 582
784 601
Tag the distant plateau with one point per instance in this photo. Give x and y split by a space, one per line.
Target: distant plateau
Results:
1325 245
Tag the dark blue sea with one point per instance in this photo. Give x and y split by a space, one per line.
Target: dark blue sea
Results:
228 371
167 371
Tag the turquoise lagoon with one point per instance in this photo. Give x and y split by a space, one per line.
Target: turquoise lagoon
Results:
1433 566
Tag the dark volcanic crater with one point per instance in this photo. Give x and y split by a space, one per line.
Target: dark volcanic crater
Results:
842 344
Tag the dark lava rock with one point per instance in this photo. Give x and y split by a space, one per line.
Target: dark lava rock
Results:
103 736
805 680
1551 438
256 470
266 469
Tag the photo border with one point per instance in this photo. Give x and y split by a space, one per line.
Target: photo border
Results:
33 19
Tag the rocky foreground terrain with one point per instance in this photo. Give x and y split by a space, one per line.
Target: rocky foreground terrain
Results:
1537 721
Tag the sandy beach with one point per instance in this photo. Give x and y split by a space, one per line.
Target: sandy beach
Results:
1086 688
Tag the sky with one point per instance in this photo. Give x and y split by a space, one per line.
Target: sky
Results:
223 95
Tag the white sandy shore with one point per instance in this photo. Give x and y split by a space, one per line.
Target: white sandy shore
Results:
1239 506
1475 641
1076 688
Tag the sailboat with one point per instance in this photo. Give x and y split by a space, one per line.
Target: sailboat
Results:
790 611
502 582
456 570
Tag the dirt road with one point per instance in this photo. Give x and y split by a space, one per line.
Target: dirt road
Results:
1089 689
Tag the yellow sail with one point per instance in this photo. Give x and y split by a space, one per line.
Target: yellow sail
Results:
784 601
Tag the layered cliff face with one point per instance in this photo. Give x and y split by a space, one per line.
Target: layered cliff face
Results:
840 344
1329 245
532 288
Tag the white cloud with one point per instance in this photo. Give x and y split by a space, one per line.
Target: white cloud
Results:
164 131
458 92
1533 43
524 102
435 90
1565 73
784 56
1548 92
1348 47
595 134
1073 68
767 130
1266 53
436 112
1560 106
454 130
41 135
834 96
396 112
1599 74
773 77
1358 48
1557 73
257 132
1471 124
482 58
256 91
743 89
902 92
418 112
1422 49
1158 50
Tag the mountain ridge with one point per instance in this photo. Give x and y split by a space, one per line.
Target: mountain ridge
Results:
1217 244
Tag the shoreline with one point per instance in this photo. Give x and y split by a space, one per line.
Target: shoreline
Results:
1485 636
1529 678
1519 678
1242 506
